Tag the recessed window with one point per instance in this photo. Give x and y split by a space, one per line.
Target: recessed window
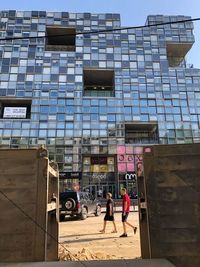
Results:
60 39
99 83
176 53
15 109
139 133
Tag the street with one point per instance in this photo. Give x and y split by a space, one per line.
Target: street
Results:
82 238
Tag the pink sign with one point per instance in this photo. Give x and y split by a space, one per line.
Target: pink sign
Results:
121 158
129 150
140 169
138 150
125 158
121 149
121 167
138 158
129 158
139 164
147 150
130 167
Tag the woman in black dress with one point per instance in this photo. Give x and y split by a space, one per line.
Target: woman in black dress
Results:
109 213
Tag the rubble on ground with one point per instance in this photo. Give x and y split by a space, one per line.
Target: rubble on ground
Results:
84 254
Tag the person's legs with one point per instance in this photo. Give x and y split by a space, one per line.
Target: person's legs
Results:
104 227
124 227
115 228
132 226
124 218
129 224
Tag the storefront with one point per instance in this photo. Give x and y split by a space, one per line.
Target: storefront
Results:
129 181
130 167
70 181
100 183
99 175
102 174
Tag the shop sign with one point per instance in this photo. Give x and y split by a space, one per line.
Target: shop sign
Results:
99 160
125 158
98 177
131 176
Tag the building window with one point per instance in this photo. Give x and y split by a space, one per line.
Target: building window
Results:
60 39
141 133
99 83
15 109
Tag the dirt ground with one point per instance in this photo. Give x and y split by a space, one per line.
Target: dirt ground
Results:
83 240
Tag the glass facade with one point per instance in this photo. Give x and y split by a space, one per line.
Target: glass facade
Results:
77 95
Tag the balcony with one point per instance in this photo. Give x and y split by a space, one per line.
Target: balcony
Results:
99 83
60 39
139 133
99 91
176 53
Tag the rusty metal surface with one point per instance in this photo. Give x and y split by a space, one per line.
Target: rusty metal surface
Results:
172 180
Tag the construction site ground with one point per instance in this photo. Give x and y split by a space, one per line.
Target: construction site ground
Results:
81 239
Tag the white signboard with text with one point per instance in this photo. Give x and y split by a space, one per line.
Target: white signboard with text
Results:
14 112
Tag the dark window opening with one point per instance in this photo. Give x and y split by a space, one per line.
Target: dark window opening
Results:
136 133
15 108
176 53
99 83
60 39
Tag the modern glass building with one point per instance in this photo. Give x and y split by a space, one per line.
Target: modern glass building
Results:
95 100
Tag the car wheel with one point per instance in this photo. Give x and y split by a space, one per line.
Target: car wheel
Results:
83 214
70 204
98 210
62 217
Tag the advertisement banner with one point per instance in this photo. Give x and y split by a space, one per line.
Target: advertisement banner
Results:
14 112
130 159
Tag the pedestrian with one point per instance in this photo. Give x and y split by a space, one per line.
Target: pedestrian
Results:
109 213
126 203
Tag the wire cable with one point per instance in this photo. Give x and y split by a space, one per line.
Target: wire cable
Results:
101 31
39 226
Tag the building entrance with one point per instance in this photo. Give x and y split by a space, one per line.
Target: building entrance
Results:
99 176
100 191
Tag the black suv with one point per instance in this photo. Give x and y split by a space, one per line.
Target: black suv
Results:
78 203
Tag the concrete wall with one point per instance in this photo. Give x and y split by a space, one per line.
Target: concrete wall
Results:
114 263
172 180
24 187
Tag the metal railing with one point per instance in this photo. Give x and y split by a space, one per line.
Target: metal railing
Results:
99 87
99 91
60 48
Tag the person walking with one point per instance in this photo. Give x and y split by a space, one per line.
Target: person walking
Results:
126 203
109 213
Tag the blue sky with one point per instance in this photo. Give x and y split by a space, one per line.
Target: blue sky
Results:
132 12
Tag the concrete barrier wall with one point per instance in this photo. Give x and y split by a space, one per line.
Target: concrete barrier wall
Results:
24 194
114 263
172 179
